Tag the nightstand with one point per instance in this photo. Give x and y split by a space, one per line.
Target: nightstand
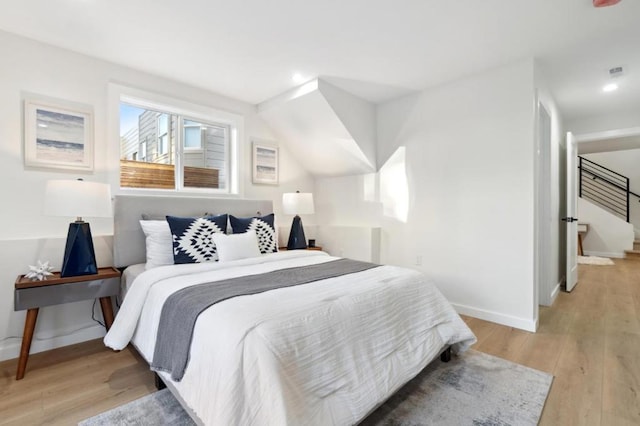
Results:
318 248
33 295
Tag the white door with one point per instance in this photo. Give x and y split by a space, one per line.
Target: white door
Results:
571 219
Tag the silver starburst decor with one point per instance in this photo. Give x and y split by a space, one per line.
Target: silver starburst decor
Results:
40 272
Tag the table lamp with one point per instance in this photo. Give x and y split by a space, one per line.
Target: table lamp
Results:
78 198
297 203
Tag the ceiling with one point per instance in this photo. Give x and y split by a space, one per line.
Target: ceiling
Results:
613 140
376 49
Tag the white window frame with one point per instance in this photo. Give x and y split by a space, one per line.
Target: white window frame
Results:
163 144
187 110
201 147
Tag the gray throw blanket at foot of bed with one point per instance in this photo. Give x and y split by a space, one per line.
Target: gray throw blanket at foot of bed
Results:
182 308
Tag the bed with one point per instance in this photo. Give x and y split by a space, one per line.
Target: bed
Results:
325 352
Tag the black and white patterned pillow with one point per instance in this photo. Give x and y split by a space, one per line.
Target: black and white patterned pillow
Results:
192 242
264 227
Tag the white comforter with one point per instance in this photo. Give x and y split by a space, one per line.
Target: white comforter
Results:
322 353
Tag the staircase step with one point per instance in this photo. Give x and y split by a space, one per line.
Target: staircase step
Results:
632 254
636 245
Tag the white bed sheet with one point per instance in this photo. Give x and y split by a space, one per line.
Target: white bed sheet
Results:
322 353
129 276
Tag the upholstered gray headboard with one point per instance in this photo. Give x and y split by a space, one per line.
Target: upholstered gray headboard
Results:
128 238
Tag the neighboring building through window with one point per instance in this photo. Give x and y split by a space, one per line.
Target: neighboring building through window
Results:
143 150
129 144
163 134
161 139
193 134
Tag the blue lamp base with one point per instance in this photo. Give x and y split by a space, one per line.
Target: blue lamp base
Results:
297 240
79 256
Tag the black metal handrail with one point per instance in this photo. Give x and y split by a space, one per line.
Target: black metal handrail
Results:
605 187
588 162
610 183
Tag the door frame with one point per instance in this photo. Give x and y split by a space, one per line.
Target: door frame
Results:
543 207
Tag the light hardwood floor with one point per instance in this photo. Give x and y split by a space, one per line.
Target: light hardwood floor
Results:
589 340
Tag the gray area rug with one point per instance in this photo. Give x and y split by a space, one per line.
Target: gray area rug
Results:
595 260
474 389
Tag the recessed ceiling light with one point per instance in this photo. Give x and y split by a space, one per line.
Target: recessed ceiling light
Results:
610 87
297 78
42 125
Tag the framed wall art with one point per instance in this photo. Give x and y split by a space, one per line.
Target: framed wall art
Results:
58 134
265 163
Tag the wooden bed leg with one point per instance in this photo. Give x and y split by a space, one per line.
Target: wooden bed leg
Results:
446 355
158 381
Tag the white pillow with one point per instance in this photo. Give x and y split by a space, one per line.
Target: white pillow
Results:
236 246
159 243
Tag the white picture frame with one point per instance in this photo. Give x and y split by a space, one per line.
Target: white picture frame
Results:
58 134
265 167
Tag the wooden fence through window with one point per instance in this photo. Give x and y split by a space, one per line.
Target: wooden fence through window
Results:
138 174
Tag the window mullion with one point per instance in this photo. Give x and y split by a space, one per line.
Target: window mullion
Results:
231 151
179 152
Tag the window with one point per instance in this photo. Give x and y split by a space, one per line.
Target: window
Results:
163 134
161 148
143 151
193 134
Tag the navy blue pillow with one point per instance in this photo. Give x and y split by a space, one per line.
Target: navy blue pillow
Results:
265 230
192 242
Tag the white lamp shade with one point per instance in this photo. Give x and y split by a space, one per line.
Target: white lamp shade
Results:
77 198
297 203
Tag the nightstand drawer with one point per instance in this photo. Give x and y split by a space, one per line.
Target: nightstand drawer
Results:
37 297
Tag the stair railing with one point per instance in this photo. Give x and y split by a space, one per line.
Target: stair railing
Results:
605 188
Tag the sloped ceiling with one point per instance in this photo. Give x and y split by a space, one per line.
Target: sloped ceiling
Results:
329 131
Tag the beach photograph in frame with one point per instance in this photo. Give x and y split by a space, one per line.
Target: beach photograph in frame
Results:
58 134
265 163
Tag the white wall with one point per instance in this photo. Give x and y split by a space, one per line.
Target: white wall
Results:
470 157
615 121
354 242
469 178
28 66
347 201
608 236
348 216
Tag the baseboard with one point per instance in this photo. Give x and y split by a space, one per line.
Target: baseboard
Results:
10 348
508 320
604 254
